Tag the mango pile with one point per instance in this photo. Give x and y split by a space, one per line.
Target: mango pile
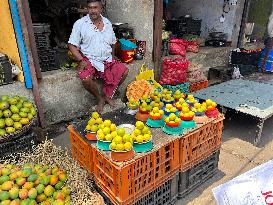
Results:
33 184
121 141
15 112
142 133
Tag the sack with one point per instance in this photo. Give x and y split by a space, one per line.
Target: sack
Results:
178 47
196 76
194 66
174 71
252 187
193 47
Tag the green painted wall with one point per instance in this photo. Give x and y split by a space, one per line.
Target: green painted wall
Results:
259 13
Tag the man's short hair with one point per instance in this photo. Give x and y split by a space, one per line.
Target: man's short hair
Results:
93 1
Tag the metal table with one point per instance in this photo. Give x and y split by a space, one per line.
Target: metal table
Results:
250 97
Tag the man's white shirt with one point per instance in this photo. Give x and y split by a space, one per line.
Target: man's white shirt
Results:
96 45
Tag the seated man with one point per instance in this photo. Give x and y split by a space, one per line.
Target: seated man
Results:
92 44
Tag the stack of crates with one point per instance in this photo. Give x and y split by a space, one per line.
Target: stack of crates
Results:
160 177
46 54
5 70
182 26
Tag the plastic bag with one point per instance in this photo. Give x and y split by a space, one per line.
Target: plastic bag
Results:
236 73
148 74
252 187
174 71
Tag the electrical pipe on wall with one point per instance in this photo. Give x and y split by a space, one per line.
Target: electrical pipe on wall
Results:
20 42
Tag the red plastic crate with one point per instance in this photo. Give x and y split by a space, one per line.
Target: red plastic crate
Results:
81 150
201 143
199 86
124 184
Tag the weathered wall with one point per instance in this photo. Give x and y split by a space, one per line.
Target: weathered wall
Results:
210 12
63 96
8 44
138 14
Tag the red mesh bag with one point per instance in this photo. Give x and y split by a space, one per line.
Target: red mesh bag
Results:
178 47
193 47
174 71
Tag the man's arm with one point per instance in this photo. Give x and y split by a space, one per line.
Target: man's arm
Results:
113 52
76 53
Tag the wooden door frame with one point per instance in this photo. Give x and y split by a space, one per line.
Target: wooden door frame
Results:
28 34
157 37
243 22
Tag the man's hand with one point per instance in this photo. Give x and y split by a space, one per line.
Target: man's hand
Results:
82 65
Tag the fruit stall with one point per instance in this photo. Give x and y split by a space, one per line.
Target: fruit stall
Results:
17 117
32 173
164 144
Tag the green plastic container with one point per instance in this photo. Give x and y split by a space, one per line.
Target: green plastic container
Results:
103 145
143 147
155 123
188 124
173 130
184 87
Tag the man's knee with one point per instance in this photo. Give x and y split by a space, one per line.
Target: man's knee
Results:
86 81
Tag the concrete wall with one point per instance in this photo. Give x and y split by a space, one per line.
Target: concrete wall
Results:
210 12
8 44
138 14
63 96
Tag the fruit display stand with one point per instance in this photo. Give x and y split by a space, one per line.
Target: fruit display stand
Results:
198 174
127 182
166 194
200 142
81 150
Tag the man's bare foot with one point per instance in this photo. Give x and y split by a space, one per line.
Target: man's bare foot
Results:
100 105
109 101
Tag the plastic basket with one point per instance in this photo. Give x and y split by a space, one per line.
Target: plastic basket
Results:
197 175
184 87
166 194
81 150
201 143
19 133
127 45
143 147
24 143
125 183
198 86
